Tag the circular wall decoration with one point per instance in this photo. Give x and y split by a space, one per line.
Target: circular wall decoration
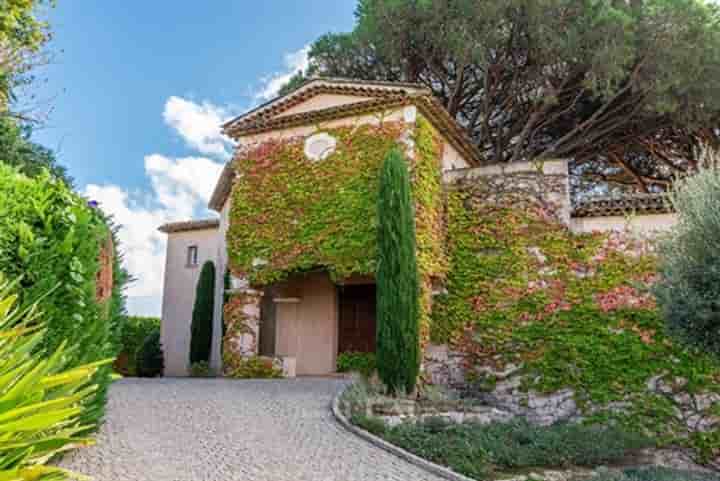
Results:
319 146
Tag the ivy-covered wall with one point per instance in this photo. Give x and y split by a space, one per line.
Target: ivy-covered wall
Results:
291 214
562 325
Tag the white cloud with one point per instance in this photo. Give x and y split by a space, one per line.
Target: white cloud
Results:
199 124
181 189
294 62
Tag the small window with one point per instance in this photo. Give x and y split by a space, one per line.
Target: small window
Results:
192 256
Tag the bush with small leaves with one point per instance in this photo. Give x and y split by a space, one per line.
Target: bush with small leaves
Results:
688 291
200 369
360 362
149 361
476 450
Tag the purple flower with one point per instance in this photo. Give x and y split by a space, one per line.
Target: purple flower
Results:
93 203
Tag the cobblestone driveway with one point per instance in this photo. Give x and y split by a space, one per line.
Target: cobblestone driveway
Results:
224 430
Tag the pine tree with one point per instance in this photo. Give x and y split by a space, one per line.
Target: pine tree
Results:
398 346
202 315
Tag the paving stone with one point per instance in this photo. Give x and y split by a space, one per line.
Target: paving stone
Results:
227 430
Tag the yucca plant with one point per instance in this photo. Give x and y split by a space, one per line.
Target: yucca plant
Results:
40 401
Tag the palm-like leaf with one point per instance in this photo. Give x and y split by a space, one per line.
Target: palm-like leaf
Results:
40 398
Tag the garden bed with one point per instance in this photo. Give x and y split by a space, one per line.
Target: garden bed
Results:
460 434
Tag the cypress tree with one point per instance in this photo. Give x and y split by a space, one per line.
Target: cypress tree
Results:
202 315
398 345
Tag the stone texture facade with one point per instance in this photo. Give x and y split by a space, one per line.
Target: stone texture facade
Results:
242 326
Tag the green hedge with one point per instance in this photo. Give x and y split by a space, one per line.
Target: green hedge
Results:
50 238
135 331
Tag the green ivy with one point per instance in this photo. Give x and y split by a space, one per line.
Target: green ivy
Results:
290 214
572 309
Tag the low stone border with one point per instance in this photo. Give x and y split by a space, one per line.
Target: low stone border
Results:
428 466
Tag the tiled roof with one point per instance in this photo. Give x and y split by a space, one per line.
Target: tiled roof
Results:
317 86
385 95
189 225
622 205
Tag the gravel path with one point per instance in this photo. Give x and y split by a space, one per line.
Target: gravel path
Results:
225 430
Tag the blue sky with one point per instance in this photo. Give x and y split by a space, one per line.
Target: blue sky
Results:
138 89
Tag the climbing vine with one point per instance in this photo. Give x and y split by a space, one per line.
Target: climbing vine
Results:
572 312
291 214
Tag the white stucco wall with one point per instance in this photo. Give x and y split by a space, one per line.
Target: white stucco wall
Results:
452 159
179 294
641 224
393 115
324 101
221 264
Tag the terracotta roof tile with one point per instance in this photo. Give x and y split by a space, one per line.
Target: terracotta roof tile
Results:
623 205
189 225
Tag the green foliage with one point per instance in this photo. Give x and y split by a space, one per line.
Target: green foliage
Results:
573 311
42 397
202 315
614 67
149 359
398 343
257 367
17 150
135 330
290 214
200 369
478 450
654 474
370 424
22 35
360 362
51 240
688 291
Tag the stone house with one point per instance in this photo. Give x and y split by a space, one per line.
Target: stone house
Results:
304 303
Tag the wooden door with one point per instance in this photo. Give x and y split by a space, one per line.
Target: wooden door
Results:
356 318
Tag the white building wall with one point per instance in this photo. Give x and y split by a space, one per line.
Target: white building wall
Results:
221 266
179 294
641 224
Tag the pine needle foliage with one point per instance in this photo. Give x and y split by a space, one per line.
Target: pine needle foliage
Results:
202 315
398 345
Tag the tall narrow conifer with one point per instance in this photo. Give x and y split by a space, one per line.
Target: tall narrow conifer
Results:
398 347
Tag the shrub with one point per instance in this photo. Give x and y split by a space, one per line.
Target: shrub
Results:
398 344
689 287
475 450
360 362
200 369
370 424
51 239
202 315
149 361
42 399
135 330
257 367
